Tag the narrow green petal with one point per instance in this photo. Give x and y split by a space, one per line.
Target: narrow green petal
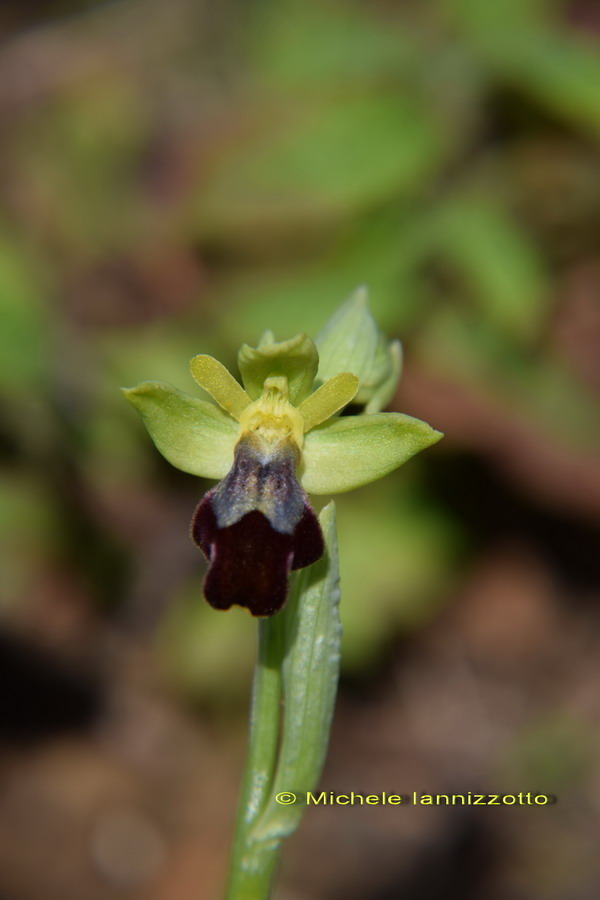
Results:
212 375
328 399
193 435
349 452
297 359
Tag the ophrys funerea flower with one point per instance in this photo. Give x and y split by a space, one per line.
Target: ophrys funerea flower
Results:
276 439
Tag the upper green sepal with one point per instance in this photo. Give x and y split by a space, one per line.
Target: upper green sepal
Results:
352 342
297 359
345 453
193 435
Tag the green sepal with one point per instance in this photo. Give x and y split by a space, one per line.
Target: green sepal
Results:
297 359
193 435
352 342
351 451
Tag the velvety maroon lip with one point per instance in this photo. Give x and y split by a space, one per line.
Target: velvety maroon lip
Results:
255 527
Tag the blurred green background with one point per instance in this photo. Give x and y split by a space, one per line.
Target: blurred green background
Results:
176 177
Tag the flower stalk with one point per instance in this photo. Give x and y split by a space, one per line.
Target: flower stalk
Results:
253 863
293 700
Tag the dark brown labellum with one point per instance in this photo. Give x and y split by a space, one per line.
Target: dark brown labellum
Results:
255 527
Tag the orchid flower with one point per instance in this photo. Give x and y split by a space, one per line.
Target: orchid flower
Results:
276 437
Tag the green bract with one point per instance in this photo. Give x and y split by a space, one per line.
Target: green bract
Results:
336 454
351 341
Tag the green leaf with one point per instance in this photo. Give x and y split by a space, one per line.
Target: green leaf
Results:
310 677
346 453
193 435
296 359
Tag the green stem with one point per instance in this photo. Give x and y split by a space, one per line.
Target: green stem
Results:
253 864
298 663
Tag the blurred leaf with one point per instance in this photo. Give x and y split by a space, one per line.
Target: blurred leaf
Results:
308 44
563 74
330 158
206 653
395 561
78 157
385 253
460 347
554 753
116 450
162 349
526 42
30 525
499 263
23 332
